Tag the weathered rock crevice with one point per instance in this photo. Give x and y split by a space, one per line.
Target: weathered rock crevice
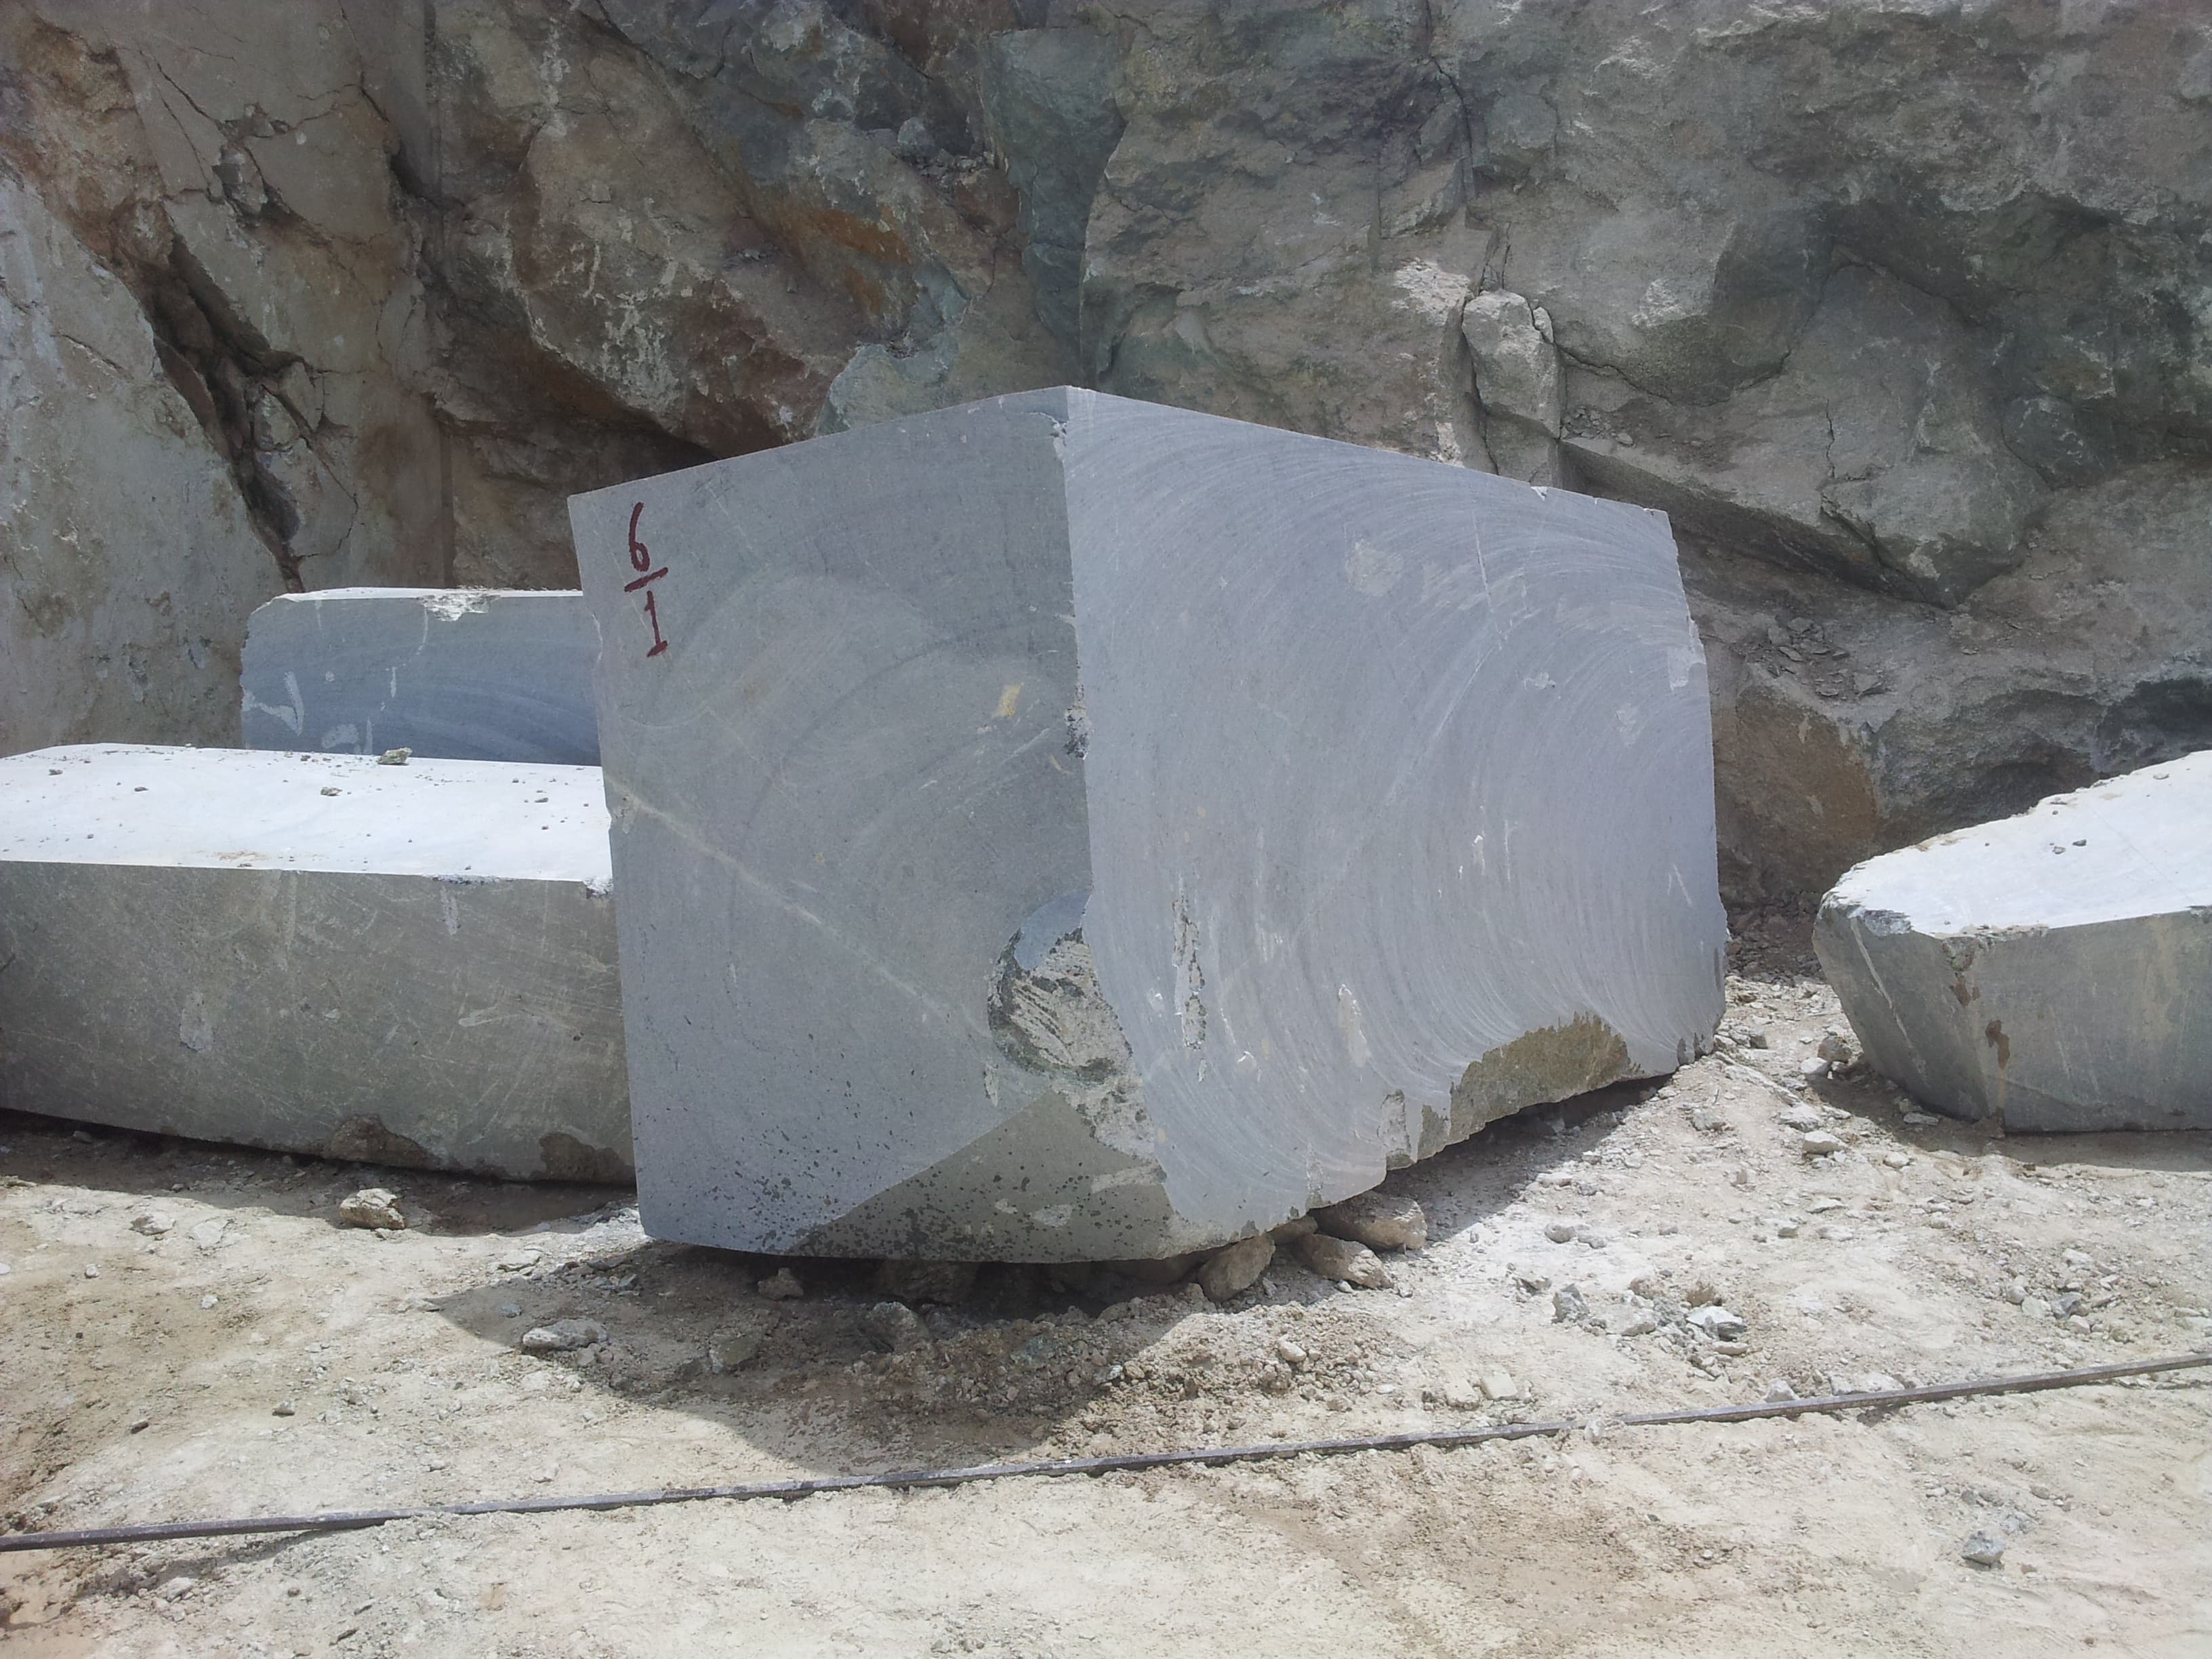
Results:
236 391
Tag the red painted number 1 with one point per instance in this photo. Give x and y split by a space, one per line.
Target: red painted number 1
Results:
639 559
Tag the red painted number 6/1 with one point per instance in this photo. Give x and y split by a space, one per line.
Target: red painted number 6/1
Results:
640 559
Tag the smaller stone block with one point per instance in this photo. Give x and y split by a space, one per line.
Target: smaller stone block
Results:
2053 970
397 964
460 674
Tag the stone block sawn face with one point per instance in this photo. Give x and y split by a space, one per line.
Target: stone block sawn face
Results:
401 965
1063 828
2051 970
464 674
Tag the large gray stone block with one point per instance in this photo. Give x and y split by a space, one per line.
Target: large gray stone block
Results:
1062 826
466 674
2051 970
404 965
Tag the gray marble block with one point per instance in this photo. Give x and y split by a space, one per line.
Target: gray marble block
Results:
403 964
2051 970
1064 828
464 674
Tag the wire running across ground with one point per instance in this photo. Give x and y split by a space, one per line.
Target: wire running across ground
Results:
1210 1457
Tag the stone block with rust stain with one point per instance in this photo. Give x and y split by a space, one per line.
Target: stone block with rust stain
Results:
394 965
1064 829
2053 970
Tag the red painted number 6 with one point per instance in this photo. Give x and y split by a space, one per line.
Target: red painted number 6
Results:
640 559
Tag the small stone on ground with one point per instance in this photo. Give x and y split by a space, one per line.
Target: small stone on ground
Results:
1228 1272
1380 1220
372 1206
1983 1549
1718 1323
1344 1261
895 1326
563 1336
728 1350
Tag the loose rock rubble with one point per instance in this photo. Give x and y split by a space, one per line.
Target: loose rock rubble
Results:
1717 1322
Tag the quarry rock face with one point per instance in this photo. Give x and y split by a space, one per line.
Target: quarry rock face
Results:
398 965
1844 724
1895 311
465 674
127 561
2051 970
1062 828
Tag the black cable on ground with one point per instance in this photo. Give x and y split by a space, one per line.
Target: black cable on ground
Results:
354 1520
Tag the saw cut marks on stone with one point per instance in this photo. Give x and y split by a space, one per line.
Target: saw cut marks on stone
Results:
1073 829
469 674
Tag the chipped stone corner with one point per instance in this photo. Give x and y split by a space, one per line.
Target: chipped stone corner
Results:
1049 1018
1072 1171
1555 1062
1046 1011
365 1140
452 604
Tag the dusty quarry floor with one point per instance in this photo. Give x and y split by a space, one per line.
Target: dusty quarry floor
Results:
257 1356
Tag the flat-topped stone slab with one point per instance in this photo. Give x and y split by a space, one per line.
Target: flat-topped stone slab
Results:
404 965
1063 828
464 674
2051 970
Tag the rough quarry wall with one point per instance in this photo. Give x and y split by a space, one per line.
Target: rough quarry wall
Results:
1903 314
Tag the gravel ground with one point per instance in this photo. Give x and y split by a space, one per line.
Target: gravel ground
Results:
190 1331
